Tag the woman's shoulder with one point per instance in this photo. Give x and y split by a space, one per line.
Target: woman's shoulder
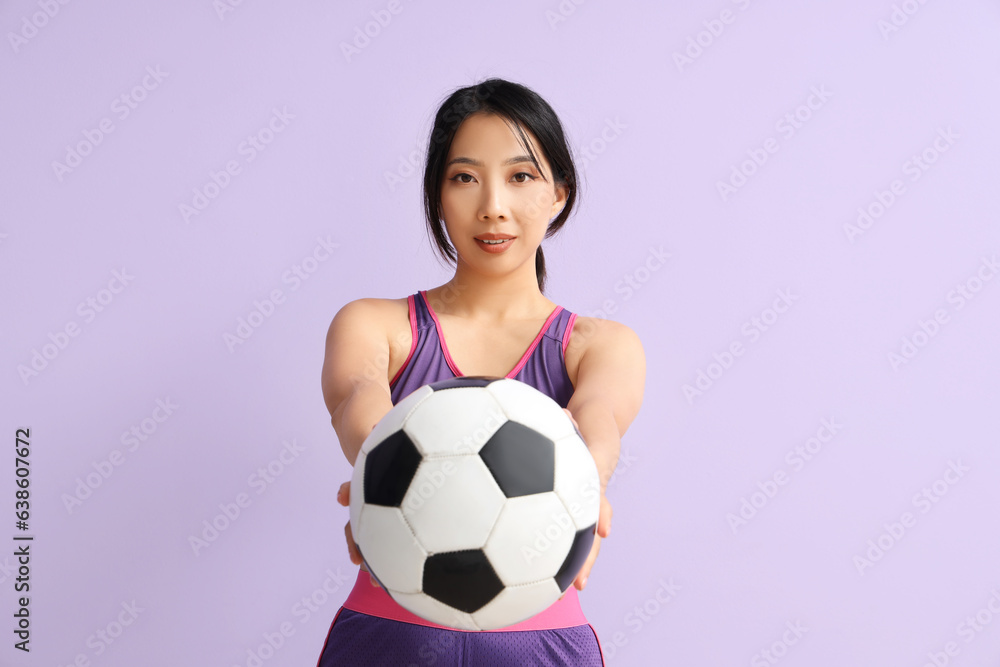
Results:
588 330
596 332
614 356
372 311
369 305
375 303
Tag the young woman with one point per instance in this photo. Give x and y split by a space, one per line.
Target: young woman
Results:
500 176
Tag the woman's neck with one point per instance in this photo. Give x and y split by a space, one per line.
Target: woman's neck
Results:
490 298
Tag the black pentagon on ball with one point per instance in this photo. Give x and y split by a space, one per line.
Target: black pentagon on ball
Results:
464 580
389 469
464 381
522 460
577 556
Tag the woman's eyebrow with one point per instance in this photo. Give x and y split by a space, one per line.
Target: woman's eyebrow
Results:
476 163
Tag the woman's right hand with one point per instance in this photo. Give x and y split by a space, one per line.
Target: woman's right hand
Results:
344 498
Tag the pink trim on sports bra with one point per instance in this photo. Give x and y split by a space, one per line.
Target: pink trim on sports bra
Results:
517 367
411 307
366 598
567 332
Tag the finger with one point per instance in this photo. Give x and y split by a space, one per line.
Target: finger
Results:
374 583
344 493
581 579
583 575
604 520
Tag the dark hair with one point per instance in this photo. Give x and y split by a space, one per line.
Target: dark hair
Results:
523 109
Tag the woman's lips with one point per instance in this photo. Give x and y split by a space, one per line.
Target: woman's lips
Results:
495 248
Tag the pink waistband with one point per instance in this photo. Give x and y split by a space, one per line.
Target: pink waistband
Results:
367 598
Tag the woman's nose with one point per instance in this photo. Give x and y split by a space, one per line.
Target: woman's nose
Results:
493 203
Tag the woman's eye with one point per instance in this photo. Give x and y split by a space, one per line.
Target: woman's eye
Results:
458 178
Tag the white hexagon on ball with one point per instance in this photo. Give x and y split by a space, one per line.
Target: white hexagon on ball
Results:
473 417
452 503
531 539
390 549
526 405
577 481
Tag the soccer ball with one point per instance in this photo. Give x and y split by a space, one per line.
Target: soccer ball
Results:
474 502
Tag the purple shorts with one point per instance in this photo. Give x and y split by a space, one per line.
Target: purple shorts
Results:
357 639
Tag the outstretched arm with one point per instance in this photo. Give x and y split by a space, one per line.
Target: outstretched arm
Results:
355 386
610 383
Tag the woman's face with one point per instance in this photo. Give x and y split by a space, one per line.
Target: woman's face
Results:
491 187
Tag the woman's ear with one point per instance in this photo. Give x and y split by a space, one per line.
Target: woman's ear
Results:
561 193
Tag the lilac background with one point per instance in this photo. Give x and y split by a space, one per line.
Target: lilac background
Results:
671 132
